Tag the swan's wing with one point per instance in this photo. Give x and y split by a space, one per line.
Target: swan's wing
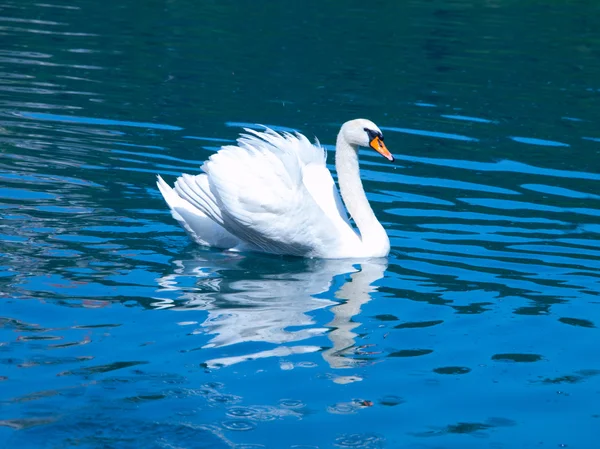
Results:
316 177
255 190
201 229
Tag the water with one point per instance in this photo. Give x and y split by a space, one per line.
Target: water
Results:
479 331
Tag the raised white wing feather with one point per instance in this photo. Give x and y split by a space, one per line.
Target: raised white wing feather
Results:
256 191
201 229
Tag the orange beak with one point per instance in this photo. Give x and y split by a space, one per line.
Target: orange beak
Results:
378 145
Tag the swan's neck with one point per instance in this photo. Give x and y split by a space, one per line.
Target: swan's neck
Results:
372 234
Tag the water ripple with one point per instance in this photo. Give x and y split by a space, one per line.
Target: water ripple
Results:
360 441
238 425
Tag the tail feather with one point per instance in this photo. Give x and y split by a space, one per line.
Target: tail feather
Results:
195 189
186 208
212 208
184 191
173 200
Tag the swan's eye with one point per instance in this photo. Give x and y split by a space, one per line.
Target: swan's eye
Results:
373 134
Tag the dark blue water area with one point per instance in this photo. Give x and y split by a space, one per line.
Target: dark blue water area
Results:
480 330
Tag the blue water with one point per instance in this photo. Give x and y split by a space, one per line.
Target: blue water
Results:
479 331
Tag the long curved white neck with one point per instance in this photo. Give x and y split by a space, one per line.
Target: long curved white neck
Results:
373 235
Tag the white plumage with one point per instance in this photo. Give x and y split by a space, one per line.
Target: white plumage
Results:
273 193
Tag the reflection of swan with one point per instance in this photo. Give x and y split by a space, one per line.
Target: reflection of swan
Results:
274 306
273 193
355 293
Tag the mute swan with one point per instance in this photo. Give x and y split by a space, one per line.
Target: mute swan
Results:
273 193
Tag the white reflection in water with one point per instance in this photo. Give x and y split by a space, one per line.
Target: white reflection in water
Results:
250 299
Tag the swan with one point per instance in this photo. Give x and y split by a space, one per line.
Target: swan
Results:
273 193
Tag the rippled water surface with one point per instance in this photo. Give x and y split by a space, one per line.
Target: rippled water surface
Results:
479 331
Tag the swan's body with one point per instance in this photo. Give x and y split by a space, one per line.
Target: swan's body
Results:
273 193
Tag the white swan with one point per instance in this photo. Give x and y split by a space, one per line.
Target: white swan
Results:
273 193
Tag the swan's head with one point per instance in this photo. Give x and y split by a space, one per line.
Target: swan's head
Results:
364 133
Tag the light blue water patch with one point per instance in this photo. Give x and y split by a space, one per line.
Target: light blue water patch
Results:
126 159
59 285
15 217
155 171
491 229
469 216
559 191
595 228
557 249
438 182
146 256
139 229
80 238
61 253
13 238
47 179
157 156
420 132
581 242
542 142
41 230
94 167
503 165
23 194
19 177
260 126
593 139
468 118
134 277
521 205
95 121
209 139
125 144
104 246
149 211
465 235
65 209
